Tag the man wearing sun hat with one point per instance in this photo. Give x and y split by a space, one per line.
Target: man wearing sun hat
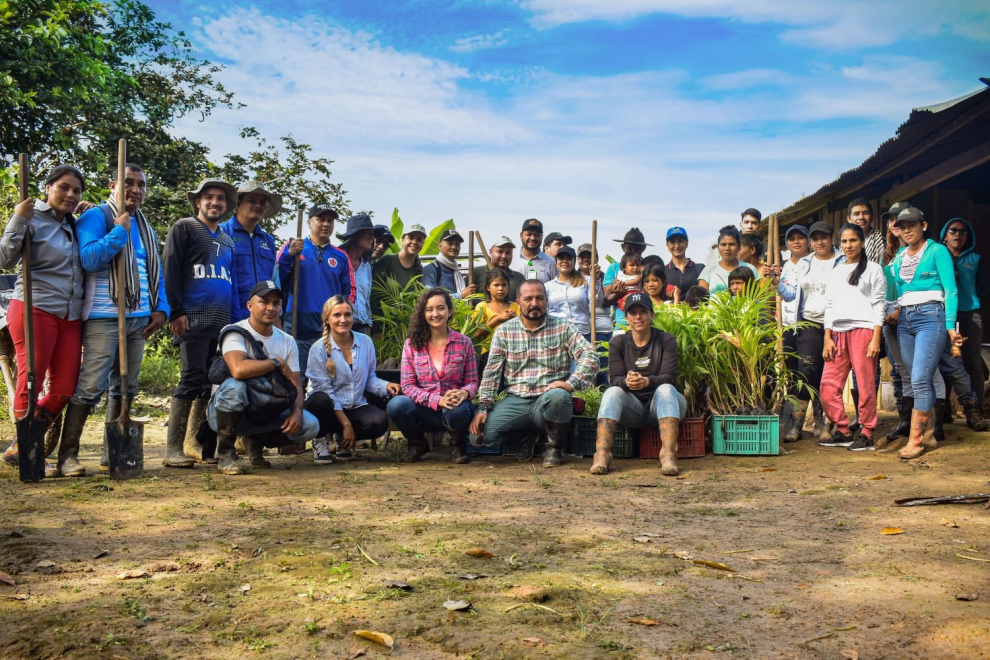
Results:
401 268
254 248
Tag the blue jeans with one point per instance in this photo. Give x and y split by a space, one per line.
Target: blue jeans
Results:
953 372
101 359
922 336
898 366
231 396
624 408
416 419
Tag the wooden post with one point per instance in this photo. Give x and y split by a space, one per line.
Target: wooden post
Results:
484 250
470 258
594 262
775 256
27 295
125 405
295 277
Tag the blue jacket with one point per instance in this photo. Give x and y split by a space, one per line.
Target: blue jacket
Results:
972 277
254 260
324 273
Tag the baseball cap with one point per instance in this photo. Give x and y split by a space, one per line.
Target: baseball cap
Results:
449 234
415 229
910 214
557 236
673 232
896 208
584 247
566 251
320 209
796 229
504 241
383 233
533 223
821 227
263 288
641 299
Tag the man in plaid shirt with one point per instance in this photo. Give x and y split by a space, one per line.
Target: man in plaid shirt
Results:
534 354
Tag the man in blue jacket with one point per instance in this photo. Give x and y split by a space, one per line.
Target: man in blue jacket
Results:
254 248
106 235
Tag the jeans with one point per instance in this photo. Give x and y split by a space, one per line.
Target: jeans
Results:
850 352
898 365
56 354
368 421
195 353
623 407
514 413
922 336
415 419
810 344
954 374
102 359
232 397
971 327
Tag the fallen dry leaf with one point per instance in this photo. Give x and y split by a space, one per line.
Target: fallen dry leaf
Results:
356 652
768 469
534 641
644 622
879 477
967 596
472 576
101 554
641 539
684 554
714 564
427 509
7 579
890 531
45 563
244 588
377 638
17 597
132 574
457 605
849 654
398 584
479 553
947 523
686 475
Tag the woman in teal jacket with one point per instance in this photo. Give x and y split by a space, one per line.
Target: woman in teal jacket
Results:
927 300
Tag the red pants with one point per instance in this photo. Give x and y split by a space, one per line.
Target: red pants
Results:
850 351
57 353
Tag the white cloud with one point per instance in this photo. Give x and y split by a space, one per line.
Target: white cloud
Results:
479 42
747 79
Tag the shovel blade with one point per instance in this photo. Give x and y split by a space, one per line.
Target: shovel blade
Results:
125 444
31 449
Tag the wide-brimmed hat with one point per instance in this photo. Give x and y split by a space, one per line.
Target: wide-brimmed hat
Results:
191 195
634 236
355 224
274 204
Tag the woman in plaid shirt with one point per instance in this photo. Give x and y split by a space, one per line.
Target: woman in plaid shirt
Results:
439 379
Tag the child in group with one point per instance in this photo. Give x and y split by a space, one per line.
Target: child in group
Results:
655 284
739 277
632 275
495 310
696 295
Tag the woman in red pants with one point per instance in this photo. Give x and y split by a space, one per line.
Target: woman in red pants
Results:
57 292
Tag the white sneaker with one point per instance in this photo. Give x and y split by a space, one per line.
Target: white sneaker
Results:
321 452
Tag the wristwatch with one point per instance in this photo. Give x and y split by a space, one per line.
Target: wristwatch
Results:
277 363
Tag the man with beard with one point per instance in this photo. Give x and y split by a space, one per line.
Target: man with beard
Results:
358 243
534 264
201 285
533 353
501 255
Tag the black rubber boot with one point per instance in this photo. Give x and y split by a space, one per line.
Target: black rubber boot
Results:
113 410
939 418
557 434
226 436
256 451
416 447
458 447
903 427
178 420
974 419
68 446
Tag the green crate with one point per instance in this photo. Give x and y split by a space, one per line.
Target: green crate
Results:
746 435
584 434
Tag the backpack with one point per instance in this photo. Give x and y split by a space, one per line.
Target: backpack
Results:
269 395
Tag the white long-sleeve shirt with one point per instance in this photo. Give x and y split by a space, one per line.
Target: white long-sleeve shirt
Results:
849 307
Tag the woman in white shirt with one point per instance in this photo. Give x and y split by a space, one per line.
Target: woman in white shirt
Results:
569 294
854 314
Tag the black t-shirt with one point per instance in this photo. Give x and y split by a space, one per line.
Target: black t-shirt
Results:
657 360
686 279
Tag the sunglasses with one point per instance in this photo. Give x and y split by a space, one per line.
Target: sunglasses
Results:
955 231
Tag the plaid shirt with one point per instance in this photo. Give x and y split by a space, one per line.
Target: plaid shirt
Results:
458 371
531 360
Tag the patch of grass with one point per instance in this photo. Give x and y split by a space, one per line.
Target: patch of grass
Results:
135 609
313 626
544 482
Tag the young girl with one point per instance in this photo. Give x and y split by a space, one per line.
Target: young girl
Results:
854 313
927 300
715 277
655 284
738 279
632 272
495 310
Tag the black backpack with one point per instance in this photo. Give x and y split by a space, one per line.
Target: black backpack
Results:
270 395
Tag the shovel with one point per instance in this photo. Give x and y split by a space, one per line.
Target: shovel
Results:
30 431
125 436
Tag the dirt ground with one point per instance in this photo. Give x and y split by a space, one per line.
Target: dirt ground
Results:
289 562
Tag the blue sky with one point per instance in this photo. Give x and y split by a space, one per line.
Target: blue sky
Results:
643 113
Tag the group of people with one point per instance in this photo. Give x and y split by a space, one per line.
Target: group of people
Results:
250 318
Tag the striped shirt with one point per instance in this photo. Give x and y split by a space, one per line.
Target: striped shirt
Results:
874 247
458 371
532 359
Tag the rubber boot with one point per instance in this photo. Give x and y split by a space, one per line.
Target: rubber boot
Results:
603 446
68 446
458 447
974 419
113 411
226 436
669 428
178 418
525 443
556 439
797 423
903 428
191 447
937 435
48 420
822 431
854 424
416 447
256 451
915 446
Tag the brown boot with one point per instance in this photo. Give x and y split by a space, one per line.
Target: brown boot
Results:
603 446
191 447
669 428
915 446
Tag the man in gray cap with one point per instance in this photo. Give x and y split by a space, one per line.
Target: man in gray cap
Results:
254 248
444 271
201 285
501 255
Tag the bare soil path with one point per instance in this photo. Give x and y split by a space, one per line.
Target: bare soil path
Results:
288 562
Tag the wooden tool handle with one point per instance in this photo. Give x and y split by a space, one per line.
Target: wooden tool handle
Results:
470 258
27 288
484 250
594 262
295 277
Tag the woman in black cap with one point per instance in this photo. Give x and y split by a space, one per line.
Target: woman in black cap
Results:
569 294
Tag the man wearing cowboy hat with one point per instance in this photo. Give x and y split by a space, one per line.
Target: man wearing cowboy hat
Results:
632 243
201 285
358 243
254 248
534 264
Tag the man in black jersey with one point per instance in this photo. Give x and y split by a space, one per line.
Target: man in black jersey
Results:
200 282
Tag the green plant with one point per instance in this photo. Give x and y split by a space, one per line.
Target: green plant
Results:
592 398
